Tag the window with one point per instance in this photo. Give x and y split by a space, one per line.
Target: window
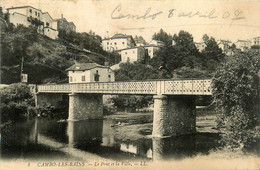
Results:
107 43
39 14
83 78
70 79
35 13
125 52
30 10
47 24
96 77
115 43
128 59
133 51
109 77
123 43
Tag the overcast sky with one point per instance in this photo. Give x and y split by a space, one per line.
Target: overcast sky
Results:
231 20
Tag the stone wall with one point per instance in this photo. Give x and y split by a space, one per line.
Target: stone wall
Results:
174 115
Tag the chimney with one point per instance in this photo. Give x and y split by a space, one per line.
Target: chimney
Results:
61 16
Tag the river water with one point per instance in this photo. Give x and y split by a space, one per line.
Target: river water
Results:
50 139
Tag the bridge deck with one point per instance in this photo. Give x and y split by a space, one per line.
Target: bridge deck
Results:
167 87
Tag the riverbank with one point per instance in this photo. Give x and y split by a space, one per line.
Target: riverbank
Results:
134 126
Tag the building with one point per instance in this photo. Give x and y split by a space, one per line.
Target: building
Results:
151 50
63 24
200 46
118 42
90 72
133 54
255 41
224 45
27 15
157 43
243 45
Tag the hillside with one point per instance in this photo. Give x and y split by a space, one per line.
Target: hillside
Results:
45 60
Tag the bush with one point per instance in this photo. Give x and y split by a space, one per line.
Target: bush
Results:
16 102
131 102
236 94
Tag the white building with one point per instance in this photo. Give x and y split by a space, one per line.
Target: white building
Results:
157 43
255 41
27 15
90 72
224 45
200 46
151 49
132 54
243 45
118 42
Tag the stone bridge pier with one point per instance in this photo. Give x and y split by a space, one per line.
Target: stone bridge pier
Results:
174 115
85 106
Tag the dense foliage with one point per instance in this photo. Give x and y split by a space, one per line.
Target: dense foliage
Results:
236 93
131 102
17 102
137 71
163 36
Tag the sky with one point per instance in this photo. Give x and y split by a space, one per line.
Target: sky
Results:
221 19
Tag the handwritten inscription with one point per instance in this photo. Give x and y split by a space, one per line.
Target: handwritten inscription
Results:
118 13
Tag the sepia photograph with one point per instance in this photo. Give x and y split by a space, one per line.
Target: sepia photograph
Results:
129 84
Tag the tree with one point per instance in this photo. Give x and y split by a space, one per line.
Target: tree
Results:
163 36
182 54
212 55
184 42
136 71
16 102
236 94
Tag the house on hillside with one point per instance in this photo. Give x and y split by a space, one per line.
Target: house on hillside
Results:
243 45
200 46
133 54
90 72
224 45
157 43
27 15
151 50
118 42
63 24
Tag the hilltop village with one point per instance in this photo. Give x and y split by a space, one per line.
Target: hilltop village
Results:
56 44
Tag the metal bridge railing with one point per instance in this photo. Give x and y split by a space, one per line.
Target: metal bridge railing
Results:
169 87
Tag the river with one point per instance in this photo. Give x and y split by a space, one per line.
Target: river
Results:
42 138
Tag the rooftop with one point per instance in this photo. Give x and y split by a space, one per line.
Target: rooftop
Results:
85 66
22 7
119 36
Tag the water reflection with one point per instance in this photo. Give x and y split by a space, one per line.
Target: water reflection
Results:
98 137
85 134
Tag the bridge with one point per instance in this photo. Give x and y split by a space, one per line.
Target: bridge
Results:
174 100
166 87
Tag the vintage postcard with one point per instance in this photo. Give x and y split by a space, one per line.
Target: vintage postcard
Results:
129 84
